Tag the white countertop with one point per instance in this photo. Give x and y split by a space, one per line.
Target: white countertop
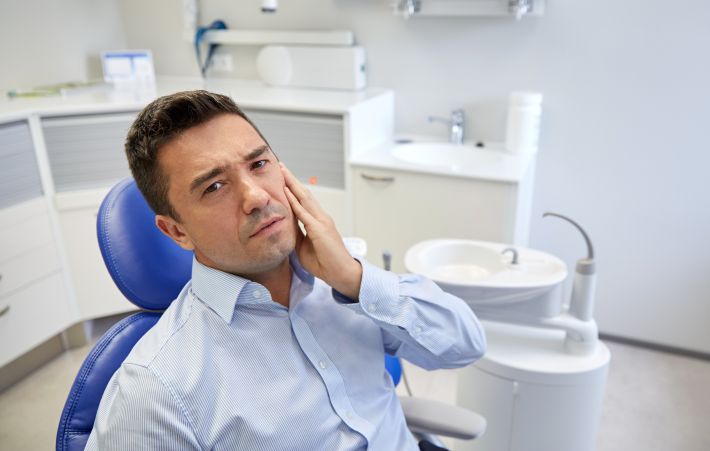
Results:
501 166
247 94
254 94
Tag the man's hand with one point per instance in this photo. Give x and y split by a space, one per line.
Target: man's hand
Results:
321 250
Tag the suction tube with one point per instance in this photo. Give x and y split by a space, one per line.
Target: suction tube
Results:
581 304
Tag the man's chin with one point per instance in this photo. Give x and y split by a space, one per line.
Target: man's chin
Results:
270 259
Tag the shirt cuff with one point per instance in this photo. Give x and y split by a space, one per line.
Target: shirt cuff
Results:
379 297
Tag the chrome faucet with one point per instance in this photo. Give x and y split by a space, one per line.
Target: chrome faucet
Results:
456 122
408 7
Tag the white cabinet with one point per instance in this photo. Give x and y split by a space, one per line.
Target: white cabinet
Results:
96 294
31 315
86 157
394 210
34 301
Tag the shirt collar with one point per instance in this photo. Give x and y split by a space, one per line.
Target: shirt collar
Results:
299 270
221 290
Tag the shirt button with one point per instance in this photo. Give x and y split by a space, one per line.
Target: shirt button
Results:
322 365
257 294
371 308
349 415
417 330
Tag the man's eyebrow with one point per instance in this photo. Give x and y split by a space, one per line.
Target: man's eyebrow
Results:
202 178
256 153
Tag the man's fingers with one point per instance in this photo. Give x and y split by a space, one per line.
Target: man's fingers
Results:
302 194
301 213
292 182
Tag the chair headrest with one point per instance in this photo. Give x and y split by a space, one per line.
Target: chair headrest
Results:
147 266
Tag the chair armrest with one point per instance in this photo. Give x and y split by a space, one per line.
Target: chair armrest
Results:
434 417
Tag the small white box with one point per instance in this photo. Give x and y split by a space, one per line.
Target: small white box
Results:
313 67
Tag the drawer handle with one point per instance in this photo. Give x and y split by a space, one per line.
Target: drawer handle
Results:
4 310
372 178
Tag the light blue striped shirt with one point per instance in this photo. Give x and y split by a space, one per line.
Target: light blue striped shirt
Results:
227 368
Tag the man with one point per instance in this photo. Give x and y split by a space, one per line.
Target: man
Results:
278 341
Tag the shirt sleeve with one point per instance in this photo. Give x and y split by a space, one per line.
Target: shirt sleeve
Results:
137 411
419 321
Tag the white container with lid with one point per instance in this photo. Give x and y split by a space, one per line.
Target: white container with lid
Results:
523 124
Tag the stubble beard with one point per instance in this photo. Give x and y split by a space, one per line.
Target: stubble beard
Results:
276 248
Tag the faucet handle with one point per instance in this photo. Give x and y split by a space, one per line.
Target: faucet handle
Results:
438 119
457 118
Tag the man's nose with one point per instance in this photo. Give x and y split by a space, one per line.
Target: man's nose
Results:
254 196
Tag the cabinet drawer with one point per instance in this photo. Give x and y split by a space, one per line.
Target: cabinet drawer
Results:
27 268
24 227
87 151
31 316
19 175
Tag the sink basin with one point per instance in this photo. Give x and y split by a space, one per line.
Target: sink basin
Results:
480 274
445 155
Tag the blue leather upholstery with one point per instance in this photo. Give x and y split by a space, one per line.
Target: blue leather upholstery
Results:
147 266
80 409
394 367
150 270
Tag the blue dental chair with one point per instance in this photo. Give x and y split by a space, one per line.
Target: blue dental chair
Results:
150 270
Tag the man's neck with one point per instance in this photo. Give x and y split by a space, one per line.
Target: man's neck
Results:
277 281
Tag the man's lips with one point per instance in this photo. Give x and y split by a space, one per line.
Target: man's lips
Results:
266 225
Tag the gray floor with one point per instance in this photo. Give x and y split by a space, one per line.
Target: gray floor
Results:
654 401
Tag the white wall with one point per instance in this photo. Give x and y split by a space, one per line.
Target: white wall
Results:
48 41
624 147
623 150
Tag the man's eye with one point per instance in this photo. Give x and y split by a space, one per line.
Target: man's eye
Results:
213 187
259 164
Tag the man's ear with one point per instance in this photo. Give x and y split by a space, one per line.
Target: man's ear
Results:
172 229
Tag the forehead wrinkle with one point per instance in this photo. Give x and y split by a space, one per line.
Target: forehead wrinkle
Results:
224 167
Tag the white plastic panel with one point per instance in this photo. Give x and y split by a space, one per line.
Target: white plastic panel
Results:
310 145
87 151
33 315
19 176
23 270
24 227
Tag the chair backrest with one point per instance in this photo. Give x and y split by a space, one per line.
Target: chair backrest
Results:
150 270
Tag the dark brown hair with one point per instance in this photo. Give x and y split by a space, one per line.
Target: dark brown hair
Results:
161 121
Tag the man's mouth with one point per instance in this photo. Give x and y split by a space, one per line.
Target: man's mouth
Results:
266 226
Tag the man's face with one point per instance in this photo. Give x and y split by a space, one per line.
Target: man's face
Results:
226 186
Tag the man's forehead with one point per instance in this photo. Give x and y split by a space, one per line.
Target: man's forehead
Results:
223 128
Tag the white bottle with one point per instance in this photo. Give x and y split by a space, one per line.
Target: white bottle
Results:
523 125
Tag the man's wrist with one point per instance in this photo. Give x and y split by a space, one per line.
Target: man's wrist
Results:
352 278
